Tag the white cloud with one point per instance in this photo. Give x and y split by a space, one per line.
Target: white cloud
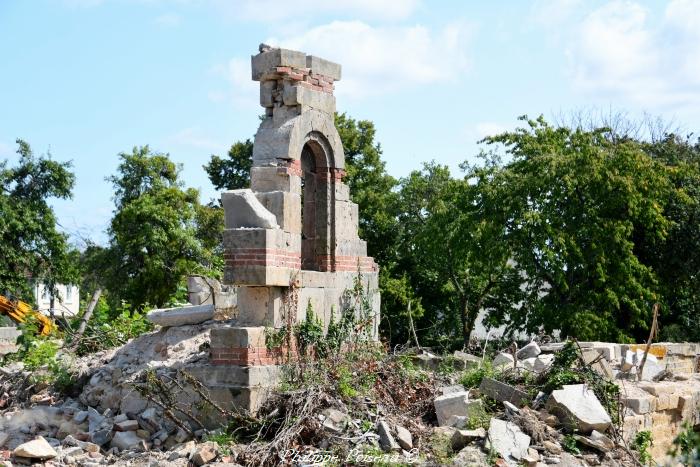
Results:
378 60
243 91
194 137
168 20
618 51
270 11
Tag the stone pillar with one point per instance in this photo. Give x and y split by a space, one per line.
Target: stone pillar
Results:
291 239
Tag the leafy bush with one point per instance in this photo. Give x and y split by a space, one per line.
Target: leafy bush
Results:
472 378
111 327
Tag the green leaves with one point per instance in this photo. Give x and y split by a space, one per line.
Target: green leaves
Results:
31 246
154 241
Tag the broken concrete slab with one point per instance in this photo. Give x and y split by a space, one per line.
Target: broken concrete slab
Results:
181 316
427 361
531 350
456 403
128 440
503 392
508 441
578 407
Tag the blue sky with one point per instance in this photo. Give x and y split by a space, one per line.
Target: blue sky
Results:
87 79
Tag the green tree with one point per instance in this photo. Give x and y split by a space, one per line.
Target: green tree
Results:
153 234
677 260
576 206
233 171
31 246
462 262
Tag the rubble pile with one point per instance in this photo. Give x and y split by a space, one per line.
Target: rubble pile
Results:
506 418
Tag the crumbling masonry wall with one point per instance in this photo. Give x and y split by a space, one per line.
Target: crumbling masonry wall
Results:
292 239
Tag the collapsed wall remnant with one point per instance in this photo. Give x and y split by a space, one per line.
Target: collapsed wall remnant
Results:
290 241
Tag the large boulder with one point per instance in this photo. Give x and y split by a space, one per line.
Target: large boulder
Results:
577 406
508 441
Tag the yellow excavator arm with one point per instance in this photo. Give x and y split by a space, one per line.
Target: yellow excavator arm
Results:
18 311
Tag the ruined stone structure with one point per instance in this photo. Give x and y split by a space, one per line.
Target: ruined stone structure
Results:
291 241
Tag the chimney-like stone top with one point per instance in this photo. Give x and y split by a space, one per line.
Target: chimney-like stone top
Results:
271 61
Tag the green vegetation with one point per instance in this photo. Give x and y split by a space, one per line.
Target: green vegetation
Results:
642 442
31 245
569 444
686 447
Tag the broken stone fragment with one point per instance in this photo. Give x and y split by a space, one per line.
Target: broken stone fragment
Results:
243 210
128 441
38 448
149 420
465 361
334 420
205 453
456 403
404 438
386 440
503 392
427 361
127 425
577 407
599 364
503 359
508 441
531 350
461 438
543 362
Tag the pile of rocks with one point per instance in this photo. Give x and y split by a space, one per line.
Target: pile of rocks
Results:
74 435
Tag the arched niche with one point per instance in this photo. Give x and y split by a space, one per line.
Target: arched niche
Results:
317 213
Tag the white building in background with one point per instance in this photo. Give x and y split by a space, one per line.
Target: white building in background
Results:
66 303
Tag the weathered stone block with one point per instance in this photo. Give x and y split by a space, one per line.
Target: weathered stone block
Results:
285 206
508 440
243 209
274 179
260 306
299 95
456 403
181 316
578 407
323 67
503 392
267 62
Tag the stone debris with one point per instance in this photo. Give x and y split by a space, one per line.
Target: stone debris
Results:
577 407
205 453
461 438
508 440
38 448
503 360
503 392
531 350
465 361
181 316
456 404
386 439
404 438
